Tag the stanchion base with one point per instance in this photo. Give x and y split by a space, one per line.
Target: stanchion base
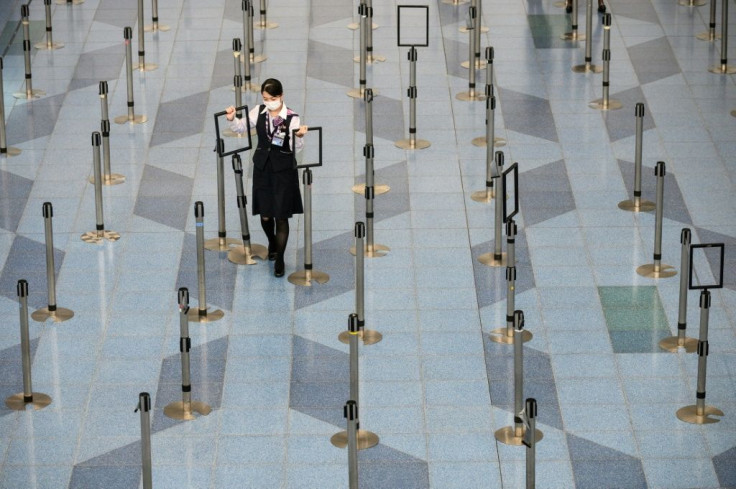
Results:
355 26
13 151
179 410
630 205
378 251
415 144
377 189
145 67
17 402
137 119
97 237
257 59
468 97
665 271
265 25
240 256
490 260
359 92
601 104
483 196
723 69
58 316
689 414
481 142
368 336
673 344
111 179
369 60
464 29
707 36
220 244
210 317
44 46
366 439
305 277
501 335
572 36
35 93
155 28
454 2
479 64
692 3
587 68
65 2
560 4
507 436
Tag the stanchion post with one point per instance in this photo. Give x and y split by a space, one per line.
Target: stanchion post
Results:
370 56
490 113
69 2
606 103
674 343
100 234
30 92
637 204
184 410
144 406
263 22
18 402
657 269
49 44
249 37
109 178
472 23
573 35
221 242
155 26
52 311
5 150
497 258
588 66
142 65
351 414
530 441
710 35
243 254
362 55
368 149
130 117
201 314
724 68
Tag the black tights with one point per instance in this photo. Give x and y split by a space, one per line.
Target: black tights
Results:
276 240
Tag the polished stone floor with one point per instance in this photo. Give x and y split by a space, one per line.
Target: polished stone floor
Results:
436 388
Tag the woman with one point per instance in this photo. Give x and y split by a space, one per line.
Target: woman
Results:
276 195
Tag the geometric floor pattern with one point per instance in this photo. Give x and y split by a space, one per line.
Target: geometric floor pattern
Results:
436 388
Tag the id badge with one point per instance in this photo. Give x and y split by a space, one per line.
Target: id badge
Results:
278 140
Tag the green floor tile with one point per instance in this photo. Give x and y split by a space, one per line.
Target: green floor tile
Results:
547 29
634 296
637 341
635 319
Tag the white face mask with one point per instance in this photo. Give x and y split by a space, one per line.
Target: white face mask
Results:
272 104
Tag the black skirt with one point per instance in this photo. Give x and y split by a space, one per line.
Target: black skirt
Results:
276 194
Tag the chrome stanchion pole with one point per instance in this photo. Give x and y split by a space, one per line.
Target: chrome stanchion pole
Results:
144 406
476 31
371 57
471 94
243 254
69 2
30 92
363 55
691 3
699 413
100 234
201 314
49 44
573 35
588 66
5 150
368 336
184 410
351 414
251 37
412 142
18 402
155 26
305 277
606 103
710 35
109 178
530 440
637 205
490 112
724 68
674 343
142 65
263 23
497 258
57 314
514 435
238 87
130 117
368 149
364 438
657 269
221 242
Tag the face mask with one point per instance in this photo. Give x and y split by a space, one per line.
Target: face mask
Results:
273 104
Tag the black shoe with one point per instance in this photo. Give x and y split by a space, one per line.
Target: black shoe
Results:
602 8
568 7
278 267
272 252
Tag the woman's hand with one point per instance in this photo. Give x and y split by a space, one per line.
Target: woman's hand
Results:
302 131
230 113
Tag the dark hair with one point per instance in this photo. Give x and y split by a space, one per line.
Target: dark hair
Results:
272 87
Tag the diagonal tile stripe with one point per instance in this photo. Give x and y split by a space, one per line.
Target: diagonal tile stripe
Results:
622 123
11 373
164 197
674 204
98 65
220 276
14 191
330 64
528 114
725 465
33 120
653 60
729 266
541 205
180 118
599 467
27 260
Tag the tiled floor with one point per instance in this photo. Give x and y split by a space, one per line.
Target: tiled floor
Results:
436 388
